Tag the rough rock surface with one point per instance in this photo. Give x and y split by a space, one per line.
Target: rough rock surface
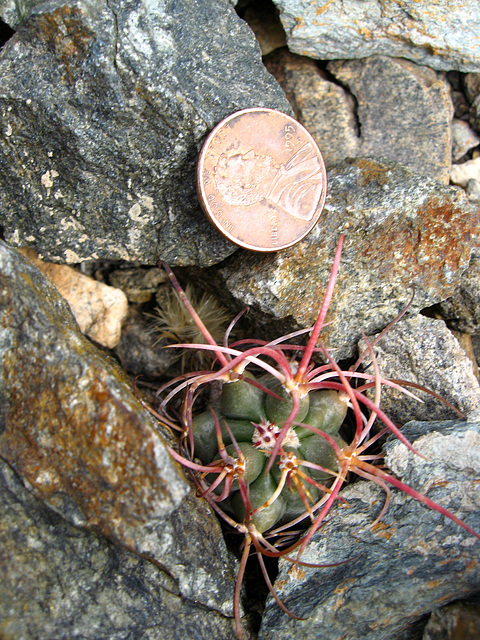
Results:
140 351
62 582
13 12
457 621
442 35
401 229
324 107
462 311
404 112
408 564
472 90
461 173
423 350
98 309
463 139
103 109
72 428
378 107
138 284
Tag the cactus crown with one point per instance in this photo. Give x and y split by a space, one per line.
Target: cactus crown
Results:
267 455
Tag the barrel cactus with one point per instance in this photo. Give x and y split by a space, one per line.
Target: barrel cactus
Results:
266 453
251 418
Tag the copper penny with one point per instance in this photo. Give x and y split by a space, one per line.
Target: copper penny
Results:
261 179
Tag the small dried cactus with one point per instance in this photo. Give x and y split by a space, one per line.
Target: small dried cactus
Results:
267 454
172 322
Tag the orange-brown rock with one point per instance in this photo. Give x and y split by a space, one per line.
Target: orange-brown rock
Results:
402 230
73 429
98 308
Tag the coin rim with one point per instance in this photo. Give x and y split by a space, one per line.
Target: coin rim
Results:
202 195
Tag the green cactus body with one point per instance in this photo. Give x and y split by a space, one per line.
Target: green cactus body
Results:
243 400
254 418
278 411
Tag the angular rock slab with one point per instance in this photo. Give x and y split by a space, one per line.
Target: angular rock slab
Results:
103 109
75 432
378 107
404 112
98 308
457 620
62 582
326 109
443 35
411 562
424 351
402 230
462 310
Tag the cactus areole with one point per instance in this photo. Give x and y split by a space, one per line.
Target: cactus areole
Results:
251 418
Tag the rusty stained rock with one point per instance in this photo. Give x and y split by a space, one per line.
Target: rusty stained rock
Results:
75 432
71 425
402 230
442 35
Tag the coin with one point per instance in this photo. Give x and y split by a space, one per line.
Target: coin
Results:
261 179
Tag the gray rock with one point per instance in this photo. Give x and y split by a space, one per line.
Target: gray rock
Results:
473 190
404 112
463 139
103 109
324 107
140 351
443 35
457 621
405 565
138 284
472 91
377 107
60 582
13 12
423 350
462 311
471 84
401 230
78 436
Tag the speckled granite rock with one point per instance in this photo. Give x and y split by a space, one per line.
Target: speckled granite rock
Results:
408 564
404 112
401 230
62 582
441 35
13 12
326 109
462 311
378 107
75 432
103 109
424 351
